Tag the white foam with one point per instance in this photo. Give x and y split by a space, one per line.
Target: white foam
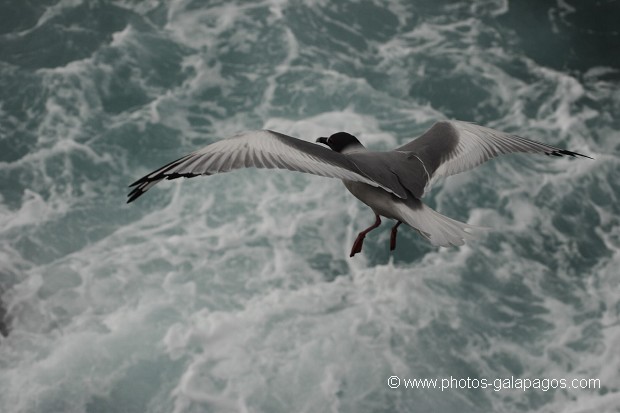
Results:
237 289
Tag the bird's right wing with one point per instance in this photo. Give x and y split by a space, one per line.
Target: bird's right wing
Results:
260 149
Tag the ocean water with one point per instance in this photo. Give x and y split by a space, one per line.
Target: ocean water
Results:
235 293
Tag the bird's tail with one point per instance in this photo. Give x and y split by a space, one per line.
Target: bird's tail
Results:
438 229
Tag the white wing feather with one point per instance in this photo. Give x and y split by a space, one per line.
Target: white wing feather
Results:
258 149
474 145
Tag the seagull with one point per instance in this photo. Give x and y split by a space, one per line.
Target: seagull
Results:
391 183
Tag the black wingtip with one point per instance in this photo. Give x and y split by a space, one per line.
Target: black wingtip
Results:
135 194
562 152
585 156
144 182
139 188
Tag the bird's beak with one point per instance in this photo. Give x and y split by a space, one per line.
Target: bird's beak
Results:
322 140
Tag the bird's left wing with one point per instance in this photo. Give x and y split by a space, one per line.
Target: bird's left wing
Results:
451 147
259 149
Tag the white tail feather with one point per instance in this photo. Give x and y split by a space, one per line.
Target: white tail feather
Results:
438 229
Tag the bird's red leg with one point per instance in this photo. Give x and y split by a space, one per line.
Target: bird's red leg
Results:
357 245
393 236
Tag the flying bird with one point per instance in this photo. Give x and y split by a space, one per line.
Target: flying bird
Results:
391 183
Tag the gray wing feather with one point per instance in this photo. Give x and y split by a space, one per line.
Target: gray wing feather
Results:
451 147
261 149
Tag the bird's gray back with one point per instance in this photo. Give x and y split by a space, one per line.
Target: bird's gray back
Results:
401 170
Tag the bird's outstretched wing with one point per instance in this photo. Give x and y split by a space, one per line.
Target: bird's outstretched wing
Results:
451 147
260 149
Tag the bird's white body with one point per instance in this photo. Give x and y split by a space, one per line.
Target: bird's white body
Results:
438 229
380 201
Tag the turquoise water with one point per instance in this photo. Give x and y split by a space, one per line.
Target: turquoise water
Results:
235 292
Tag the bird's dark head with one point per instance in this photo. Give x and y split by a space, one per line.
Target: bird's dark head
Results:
341 142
